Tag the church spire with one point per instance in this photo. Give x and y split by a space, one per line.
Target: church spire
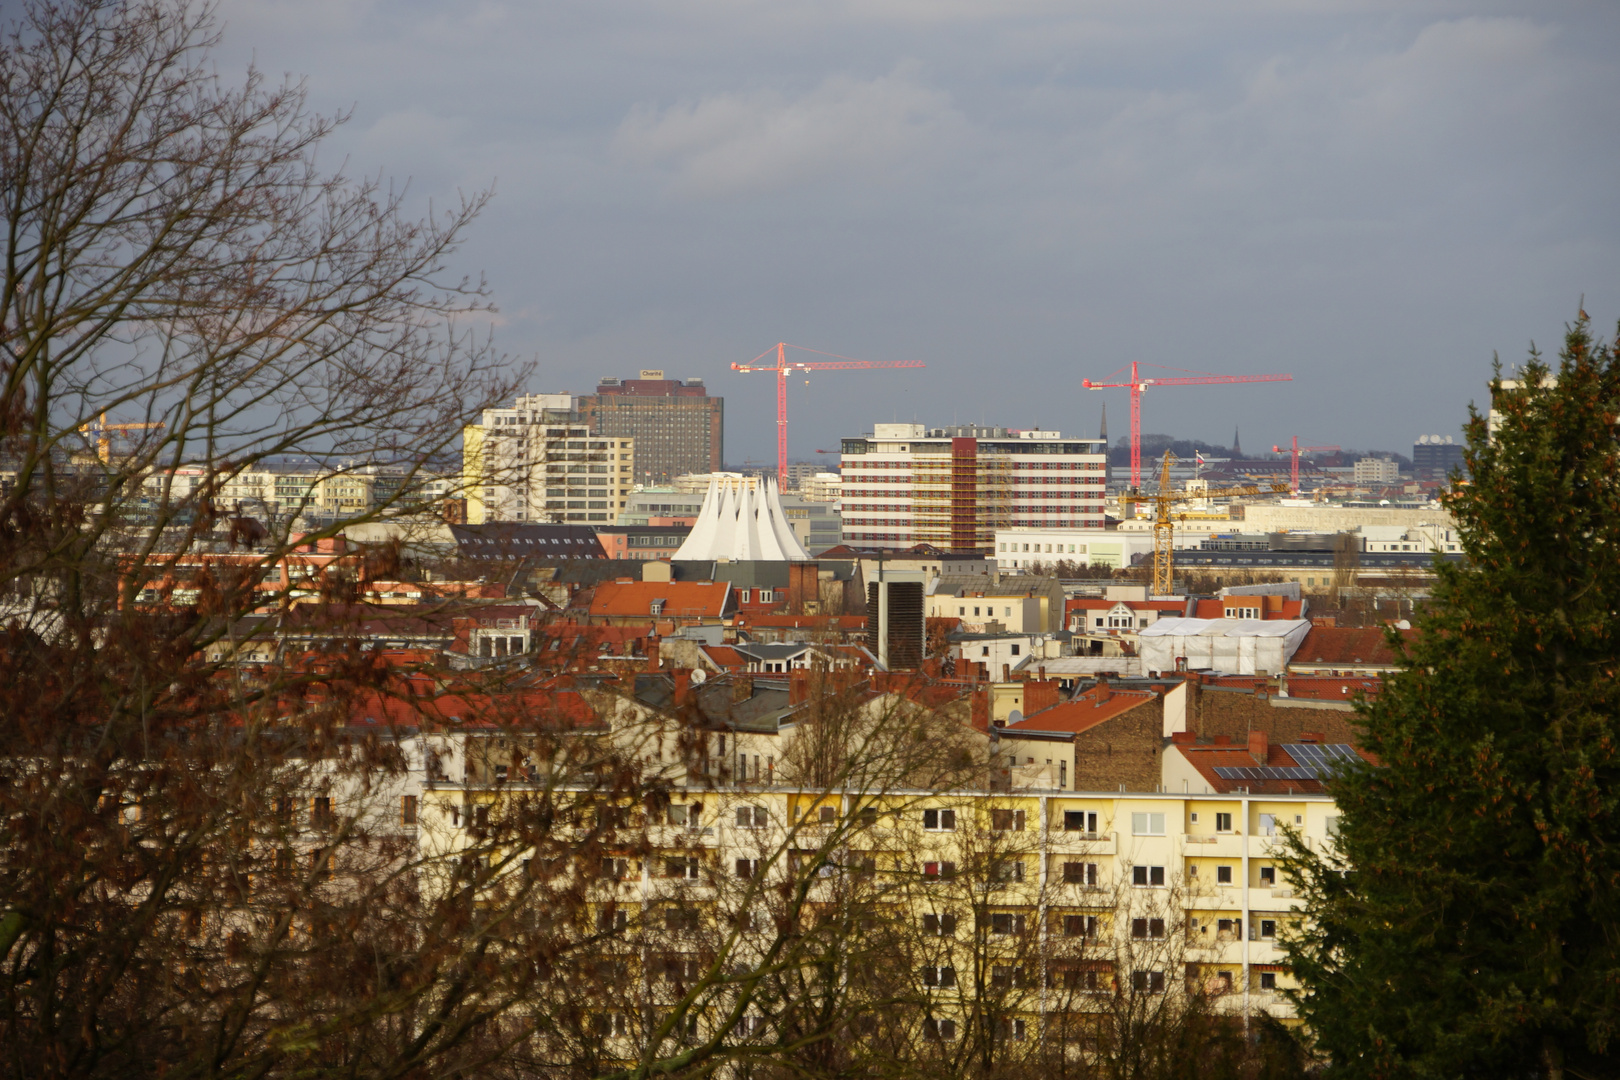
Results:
1237 448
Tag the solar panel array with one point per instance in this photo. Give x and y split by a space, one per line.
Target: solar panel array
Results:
1317 761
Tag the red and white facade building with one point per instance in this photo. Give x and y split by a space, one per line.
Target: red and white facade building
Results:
905 484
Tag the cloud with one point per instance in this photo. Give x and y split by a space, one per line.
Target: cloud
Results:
759 141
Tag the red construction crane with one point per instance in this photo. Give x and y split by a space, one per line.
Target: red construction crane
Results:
784 367
1138 386
1297 450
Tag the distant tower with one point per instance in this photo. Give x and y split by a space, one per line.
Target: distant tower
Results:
1237 448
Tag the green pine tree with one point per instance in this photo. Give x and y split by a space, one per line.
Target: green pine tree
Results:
1469 922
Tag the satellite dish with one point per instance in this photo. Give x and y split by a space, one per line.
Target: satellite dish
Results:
699 676
1015 717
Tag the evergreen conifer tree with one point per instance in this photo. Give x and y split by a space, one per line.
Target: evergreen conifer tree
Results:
1467 922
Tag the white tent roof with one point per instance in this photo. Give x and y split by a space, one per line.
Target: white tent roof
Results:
742 524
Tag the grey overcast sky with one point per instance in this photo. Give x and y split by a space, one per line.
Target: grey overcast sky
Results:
1020 193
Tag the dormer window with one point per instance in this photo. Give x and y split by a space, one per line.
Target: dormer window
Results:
657 607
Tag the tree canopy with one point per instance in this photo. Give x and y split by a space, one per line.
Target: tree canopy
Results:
1465 923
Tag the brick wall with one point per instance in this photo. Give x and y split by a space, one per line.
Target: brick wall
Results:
1124 750
1236 713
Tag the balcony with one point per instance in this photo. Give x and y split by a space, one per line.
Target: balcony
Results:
1083 843
1213 845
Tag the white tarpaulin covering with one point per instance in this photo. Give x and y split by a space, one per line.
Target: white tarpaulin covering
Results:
1234 646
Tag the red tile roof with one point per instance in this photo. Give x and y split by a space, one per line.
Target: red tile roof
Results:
1207 758
1084 712
527 708
682 599
1346 645
725 657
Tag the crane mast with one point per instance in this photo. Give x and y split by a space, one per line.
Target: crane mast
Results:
785 367
1164 552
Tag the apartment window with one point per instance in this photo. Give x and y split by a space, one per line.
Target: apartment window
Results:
1147 982
1268 929
1268 824
1147 876
1014 650
1079 873
939 820
1079 821
1268 876
684 816
321 814
1231 927
1011 1028
321 862
615 869
1268 980
939 870
752 817
747 868
682 869
1008 870
1223 875
1147 824
1332 825
828 815
680 969
1006 922
407 809
677 919
612 1024
939 1030
1147 929
940 925
1007 820
867 816
938 975
1223 822
742 596
1080 926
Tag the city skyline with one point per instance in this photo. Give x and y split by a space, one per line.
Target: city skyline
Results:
1373 198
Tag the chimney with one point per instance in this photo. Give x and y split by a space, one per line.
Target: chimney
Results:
652 652
683 683
1006 673
798 686
1258 748
1104 691
1183 738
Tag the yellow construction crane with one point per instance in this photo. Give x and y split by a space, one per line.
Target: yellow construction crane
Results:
1164 560
103 430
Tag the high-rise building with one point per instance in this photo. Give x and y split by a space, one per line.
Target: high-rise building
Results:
1434 455
905 484
1373 470
540 461
678 428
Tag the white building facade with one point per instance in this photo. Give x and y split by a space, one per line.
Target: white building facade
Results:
538 461
905 484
